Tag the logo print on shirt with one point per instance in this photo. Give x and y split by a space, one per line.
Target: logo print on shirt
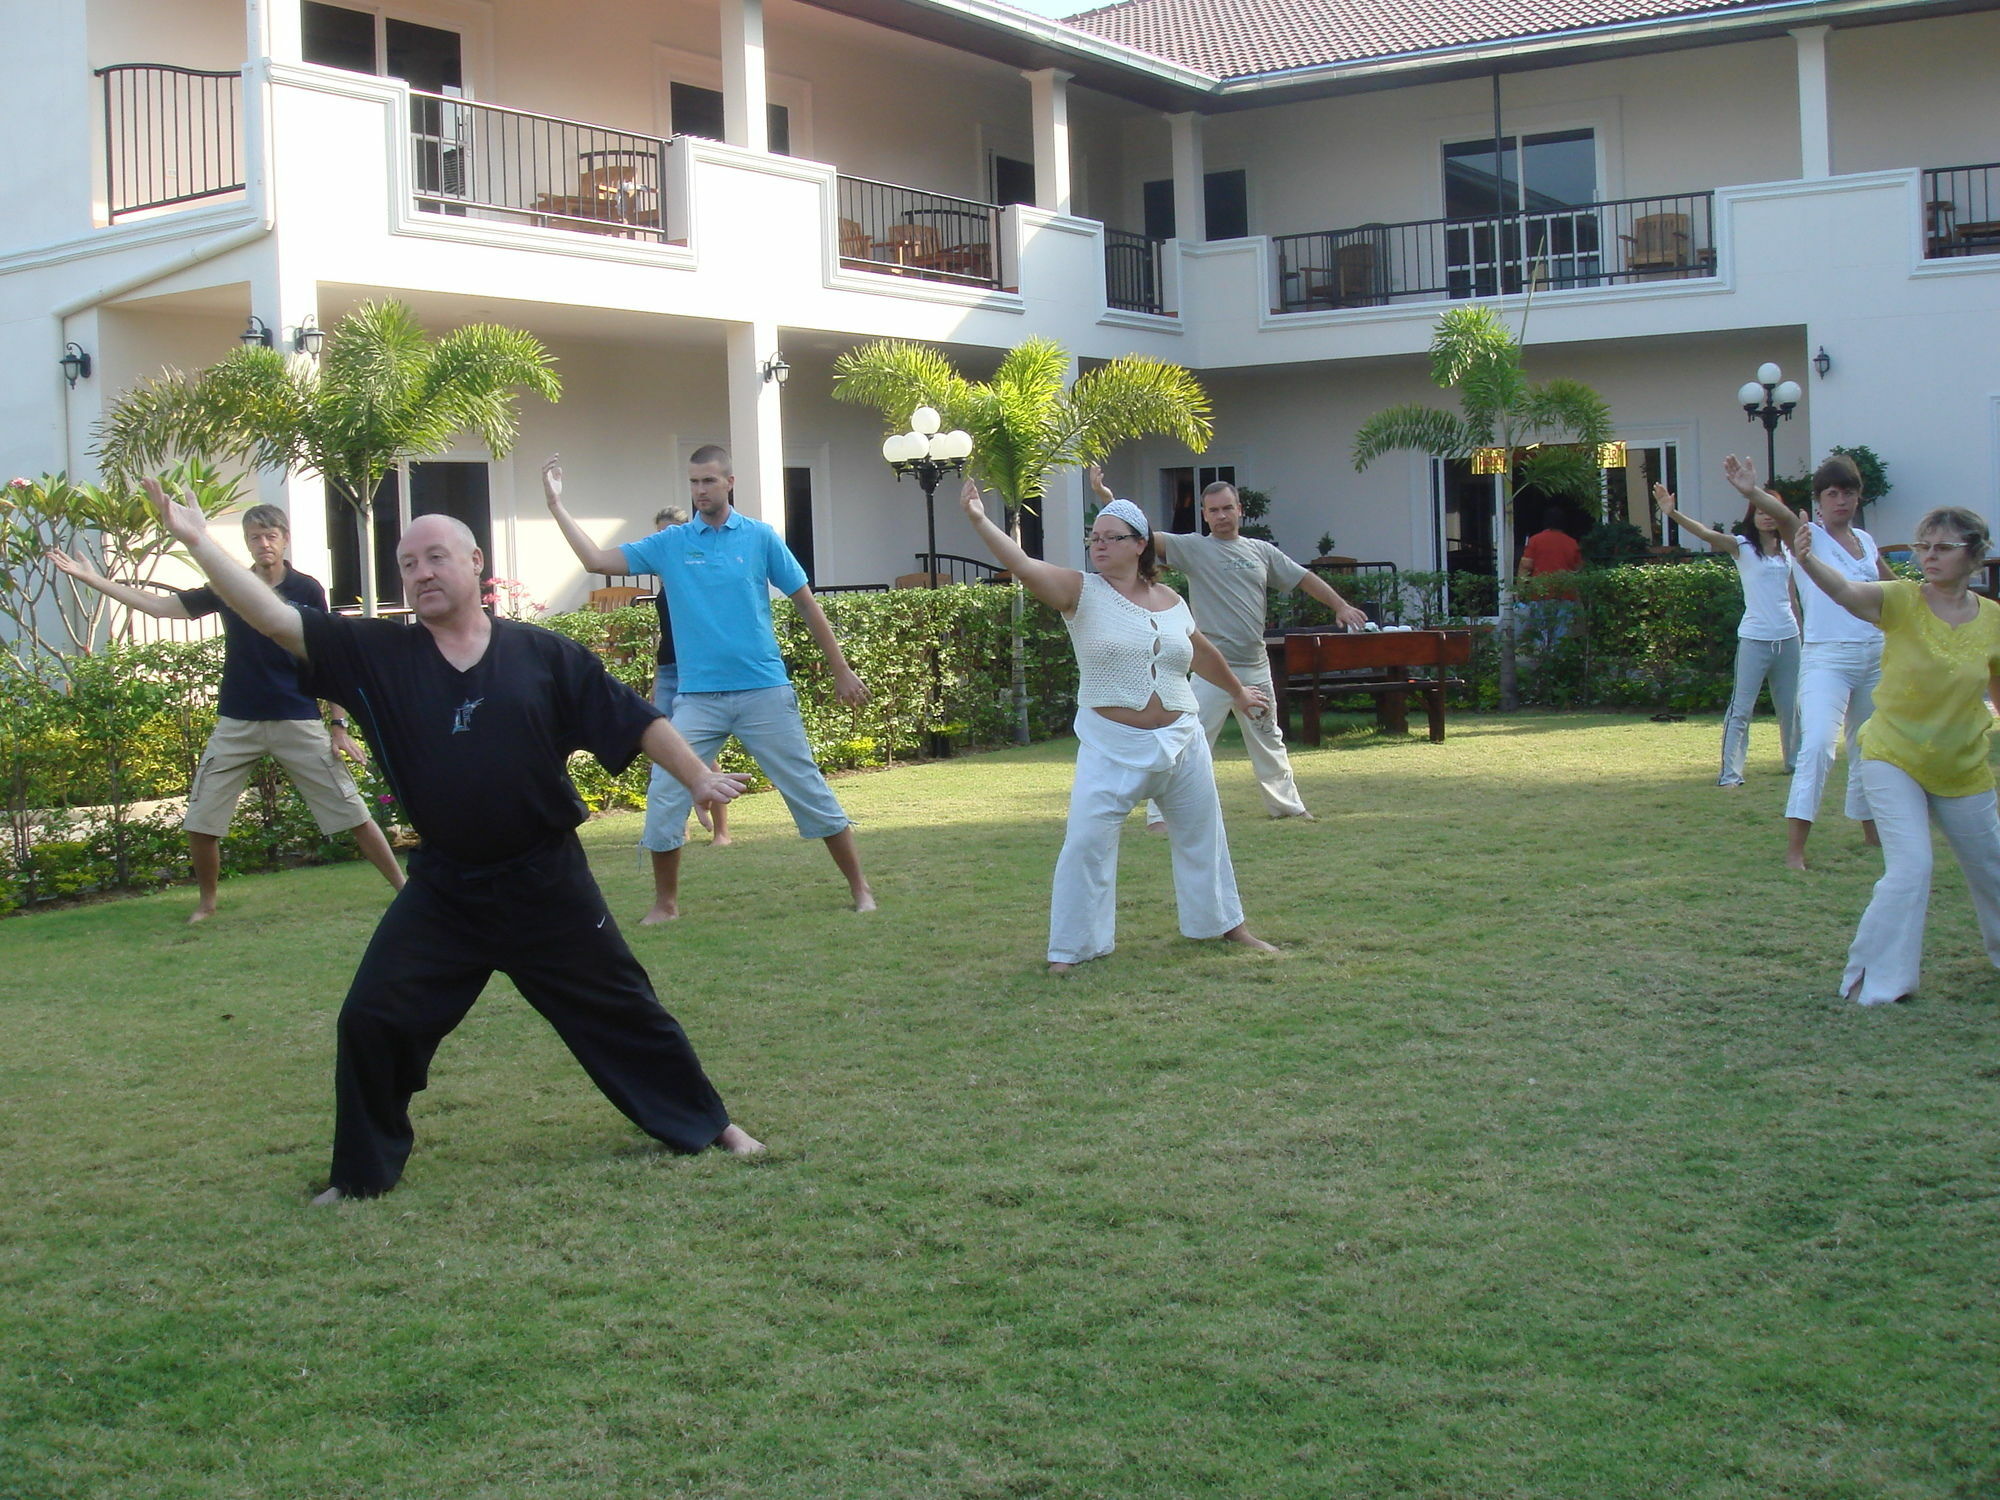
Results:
462 715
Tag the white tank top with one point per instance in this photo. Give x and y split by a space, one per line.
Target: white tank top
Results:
1826 621
1767 596
1125 653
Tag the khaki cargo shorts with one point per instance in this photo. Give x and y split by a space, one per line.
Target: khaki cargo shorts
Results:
301 746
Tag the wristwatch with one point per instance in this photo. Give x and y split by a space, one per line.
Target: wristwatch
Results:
336 723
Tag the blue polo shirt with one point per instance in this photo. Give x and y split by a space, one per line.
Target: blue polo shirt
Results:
718 583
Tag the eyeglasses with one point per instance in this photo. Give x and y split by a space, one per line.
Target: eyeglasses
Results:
1112 536
1937 549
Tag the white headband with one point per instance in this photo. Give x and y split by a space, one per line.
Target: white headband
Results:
1131 515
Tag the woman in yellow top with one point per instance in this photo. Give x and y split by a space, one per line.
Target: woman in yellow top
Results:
1923 751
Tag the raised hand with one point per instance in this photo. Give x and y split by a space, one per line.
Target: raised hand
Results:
1742 474
1095 474
969 501
1664 497
552 479
73 566
183 520
1801 543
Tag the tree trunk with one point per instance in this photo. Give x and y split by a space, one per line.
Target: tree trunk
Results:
1017 643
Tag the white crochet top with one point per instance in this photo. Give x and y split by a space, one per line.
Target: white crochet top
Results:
1125 653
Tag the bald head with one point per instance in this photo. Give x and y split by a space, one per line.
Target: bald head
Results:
441 567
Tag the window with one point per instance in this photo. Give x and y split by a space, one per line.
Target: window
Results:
442 487
698 111
799 517
1226 198
360 41
1180 493
1013 180
1529 191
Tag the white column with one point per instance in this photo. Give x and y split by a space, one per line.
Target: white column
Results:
275 30
745 119
756 424
286 298
1049 88
1190 190
1815 117
1062 508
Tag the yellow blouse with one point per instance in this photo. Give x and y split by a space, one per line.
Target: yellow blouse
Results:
1931 717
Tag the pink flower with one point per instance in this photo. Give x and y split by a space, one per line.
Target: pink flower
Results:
21 484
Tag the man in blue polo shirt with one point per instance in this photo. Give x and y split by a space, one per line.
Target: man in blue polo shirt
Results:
717 573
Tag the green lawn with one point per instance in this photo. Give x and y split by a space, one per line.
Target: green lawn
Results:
1541 1162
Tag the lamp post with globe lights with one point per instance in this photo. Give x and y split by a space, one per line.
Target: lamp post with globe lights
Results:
930 455
1769 399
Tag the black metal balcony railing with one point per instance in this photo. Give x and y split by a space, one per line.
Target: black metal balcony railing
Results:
953 568
908 232
488 161
1962 210
1599 244
170 135
1131 271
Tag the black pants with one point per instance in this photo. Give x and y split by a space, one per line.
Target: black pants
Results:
542 922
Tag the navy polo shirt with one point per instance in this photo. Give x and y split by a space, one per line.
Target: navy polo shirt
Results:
260 678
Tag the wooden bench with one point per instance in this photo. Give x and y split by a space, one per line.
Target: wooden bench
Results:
1390 666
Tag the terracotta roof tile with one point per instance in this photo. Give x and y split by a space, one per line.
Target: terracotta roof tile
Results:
1236 38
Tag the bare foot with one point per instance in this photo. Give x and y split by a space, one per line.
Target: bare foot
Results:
1302 817
1795 859
864 899
1243 935
201 913
328 1198
739 1142
721 841
1156 828
1058 970
660 914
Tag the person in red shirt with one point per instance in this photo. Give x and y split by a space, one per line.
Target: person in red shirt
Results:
1550 550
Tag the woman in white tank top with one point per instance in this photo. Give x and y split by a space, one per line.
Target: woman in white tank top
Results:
1767 637
1138 733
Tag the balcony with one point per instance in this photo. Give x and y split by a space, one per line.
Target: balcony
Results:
1615 243
904 231
171 136
1131 271
1962 210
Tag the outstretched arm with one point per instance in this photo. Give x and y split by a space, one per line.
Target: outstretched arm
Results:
243 591
147 601
1350 617
1058 588
595 559
1210 667
1742 474
1721 541
847 687
1862 600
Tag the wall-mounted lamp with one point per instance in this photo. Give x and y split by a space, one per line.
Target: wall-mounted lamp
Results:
1822 361
775 367
256 332
75 364
308 338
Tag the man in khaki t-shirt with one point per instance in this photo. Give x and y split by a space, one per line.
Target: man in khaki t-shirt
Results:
1228 576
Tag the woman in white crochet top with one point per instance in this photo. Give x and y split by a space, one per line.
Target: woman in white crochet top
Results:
1138 734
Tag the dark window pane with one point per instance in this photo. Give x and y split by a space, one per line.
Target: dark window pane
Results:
424 57
335 37
1159 209
343 538
1228 195
1469 186
696 111
799 518
1013 180
1560 170
778 127
458 490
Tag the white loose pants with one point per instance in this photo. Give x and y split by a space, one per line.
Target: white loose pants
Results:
1836 691
1263 741
1118 767
1888 948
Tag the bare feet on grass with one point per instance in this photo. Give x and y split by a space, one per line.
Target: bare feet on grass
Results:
864 899
201 913
658 914
1159 828
1241 934
1056 971
739 1142
328 1198
720 841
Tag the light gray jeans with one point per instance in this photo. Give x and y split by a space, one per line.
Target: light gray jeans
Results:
1755 662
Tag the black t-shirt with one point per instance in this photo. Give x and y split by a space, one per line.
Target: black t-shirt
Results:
664 656
260 678
478 759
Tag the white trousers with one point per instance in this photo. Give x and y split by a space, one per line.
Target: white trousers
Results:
1118 767
1888 948
1836 691
1755 661
1263 741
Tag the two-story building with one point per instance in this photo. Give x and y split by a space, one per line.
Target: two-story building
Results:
1279 196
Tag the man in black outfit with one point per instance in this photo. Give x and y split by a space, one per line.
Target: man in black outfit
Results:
473 720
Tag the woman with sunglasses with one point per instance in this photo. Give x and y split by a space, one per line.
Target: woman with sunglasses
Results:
1923 750
1138 732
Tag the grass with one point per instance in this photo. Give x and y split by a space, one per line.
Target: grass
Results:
1541 1163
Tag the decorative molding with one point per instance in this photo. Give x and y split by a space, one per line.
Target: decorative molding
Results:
182 224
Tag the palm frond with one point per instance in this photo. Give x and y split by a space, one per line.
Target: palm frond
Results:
1414 428
1568 409
1134 396
896 377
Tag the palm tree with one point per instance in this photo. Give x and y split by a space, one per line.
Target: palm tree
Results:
1025 425
384 391
1546 435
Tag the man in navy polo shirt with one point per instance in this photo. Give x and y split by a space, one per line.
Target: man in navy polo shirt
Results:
717 573
261 710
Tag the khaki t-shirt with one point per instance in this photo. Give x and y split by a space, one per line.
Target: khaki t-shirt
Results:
1227 584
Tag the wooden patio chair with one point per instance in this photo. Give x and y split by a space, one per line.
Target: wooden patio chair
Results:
617 597
1659 244
914 245
854 241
